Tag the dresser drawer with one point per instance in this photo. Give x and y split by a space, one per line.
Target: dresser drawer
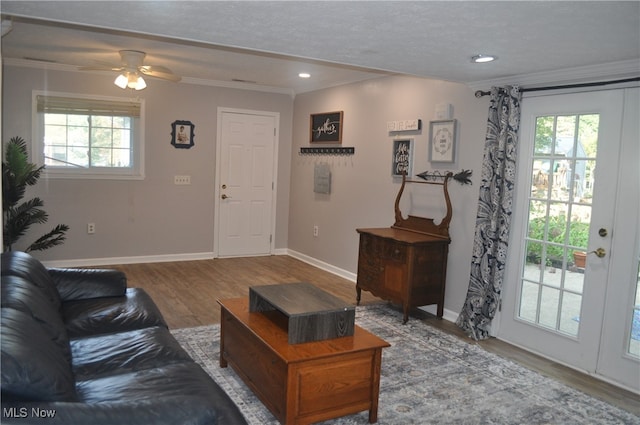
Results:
383 249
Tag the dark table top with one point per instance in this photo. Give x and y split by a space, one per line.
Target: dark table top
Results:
299 298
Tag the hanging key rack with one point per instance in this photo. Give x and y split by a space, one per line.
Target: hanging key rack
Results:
337 151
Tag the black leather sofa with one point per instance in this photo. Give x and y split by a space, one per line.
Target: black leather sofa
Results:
79 347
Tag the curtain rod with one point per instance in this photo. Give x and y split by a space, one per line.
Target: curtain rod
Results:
480 93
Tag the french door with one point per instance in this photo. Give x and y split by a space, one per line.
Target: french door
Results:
577 200
245 183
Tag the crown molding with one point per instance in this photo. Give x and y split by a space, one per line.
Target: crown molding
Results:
53 66
583 74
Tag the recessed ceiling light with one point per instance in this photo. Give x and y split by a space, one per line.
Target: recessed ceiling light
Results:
483 58
304 75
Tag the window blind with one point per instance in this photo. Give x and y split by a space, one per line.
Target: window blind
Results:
78 106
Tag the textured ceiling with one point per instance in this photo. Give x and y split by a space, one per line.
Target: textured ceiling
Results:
269 42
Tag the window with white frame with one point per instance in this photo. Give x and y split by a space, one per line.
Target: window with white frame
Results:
89 137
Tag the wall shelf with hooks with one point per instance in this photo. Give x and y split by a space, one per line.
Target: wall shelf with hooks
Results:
327 151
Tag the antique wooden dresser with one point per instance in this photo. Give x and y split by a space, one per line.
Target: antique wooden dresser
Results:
407 262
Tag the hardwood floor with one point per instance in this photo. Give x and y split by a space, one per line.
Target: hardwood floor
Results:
186 293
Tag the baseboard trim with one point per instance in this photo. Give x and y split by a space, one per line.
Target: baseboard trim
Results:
107 261
164 258
322 265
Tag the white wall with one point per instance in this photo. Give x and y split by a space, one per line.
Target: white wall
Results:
152 217
363 191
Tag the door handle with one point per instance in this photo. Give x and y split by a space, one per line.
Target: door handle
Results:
225 196
600 252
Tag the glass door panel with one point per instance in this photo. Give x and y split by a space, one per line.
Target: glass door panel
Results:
564 157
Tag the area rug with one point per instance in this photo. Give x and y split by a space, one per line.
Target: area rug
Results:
430 377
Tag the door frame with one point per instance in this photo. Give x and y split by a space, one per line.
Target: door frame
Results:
217 193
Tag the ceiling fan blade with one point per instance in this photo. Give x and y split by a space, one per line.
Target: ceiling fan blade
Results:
101 68
159 72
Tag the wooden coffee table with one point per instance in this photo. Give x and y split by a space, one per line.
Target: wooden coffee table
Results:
300 383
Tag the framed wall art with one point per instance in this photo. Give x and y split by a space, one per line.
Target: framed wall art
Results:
182 134
326 127
442 141
402 159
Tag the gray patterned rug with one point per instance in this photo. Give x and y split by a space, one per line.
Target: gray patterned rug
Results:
430 377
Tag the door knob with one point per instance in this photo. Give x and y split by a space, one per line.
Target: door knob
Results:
600 252
225 196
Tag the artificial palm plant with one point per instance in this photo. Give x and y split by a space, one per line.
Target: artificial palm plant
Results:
17 174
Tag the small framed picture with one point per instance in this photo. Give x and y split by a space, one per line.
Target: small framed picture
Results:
442 141
182 134
326 127
402 159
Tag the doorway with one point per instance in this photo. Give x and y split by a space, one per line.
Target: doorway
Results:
577 196
245 185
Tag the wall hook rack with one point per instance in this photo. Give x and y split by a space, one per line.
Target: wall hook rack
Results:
328 151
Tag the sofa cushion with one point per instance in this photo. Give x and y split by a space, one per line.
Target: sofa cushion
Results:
33 366
163 383
19 294
136 310
125 352
16 263
77 284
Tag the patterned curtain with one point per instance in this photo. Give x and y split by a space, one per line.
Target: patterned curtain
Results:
494 213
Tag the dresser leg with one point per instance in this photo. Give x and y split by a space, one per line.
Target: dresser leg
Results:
358 294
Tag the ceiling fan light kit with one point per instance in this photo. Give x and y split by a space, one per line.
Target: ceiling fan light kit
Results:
130 80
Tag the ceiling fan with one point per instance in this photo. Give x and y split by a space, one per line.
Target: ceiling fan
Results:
132 69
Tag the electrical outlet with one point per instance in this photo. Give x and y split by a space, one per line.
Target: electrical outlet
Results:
315 231
182 180
91 228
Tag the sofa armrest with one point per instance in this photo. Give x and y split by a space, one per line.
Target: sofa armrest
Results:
82 284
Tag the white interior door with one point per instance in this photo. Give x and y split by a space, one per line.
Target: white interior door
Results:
245 184
570 199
